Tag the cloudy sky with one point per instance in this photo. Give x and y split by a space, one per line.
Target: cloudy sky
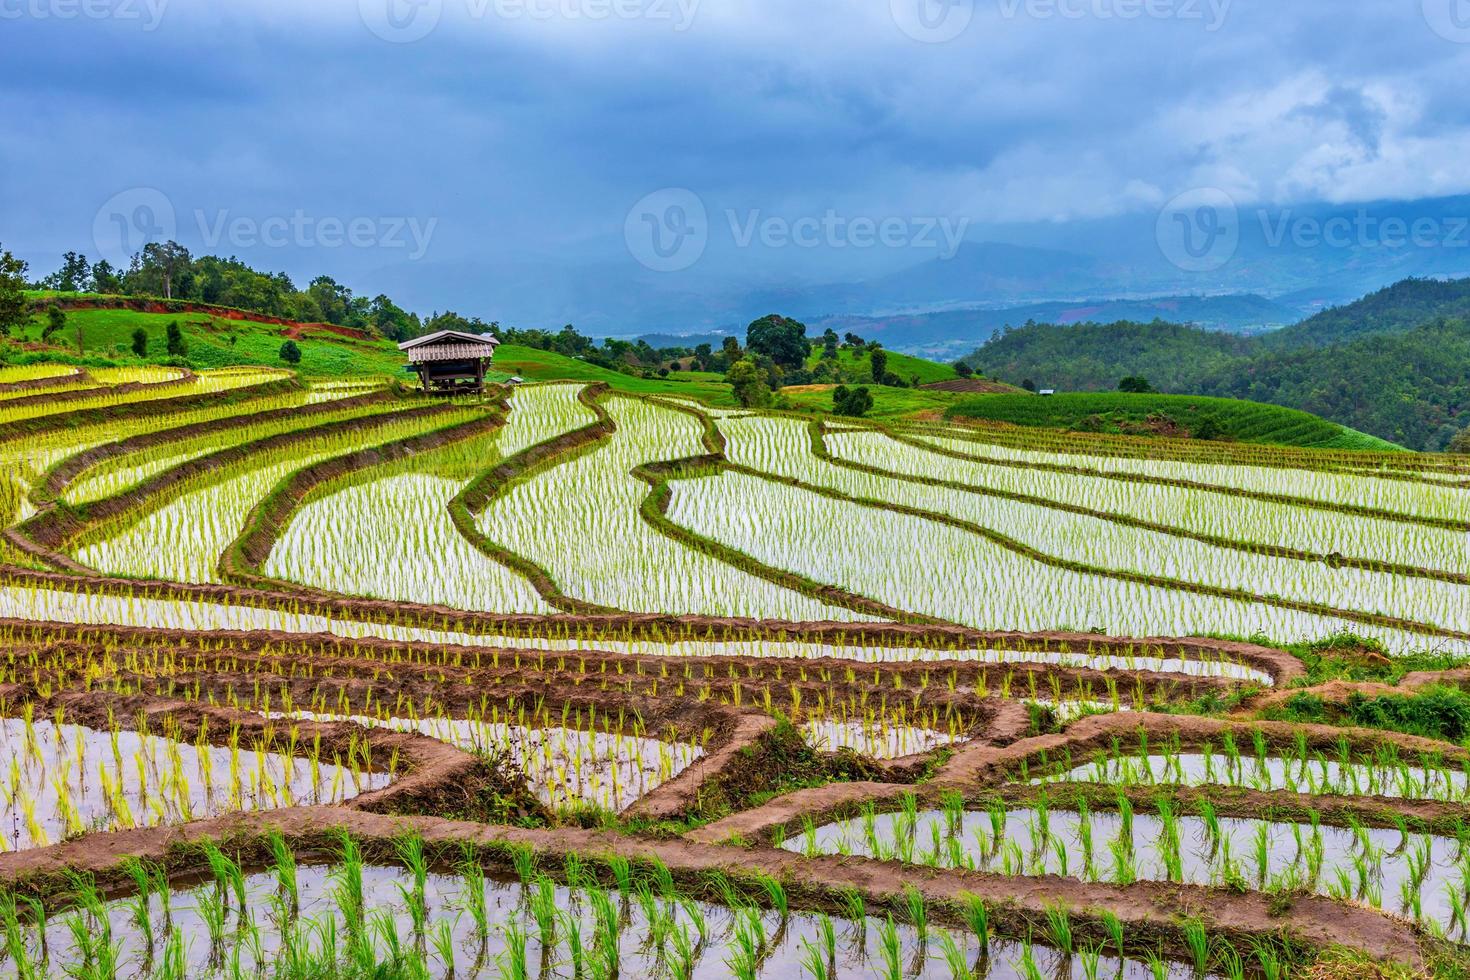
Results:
413 142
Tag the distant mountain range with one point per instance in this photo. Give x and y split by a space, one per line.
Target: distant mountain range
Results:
1285 264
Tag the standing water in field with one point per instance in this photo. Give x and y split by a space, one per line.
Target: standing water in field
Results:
63 780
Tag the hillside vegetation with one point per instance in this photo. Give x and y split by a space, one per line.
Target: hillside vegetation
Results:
1169 415
1395 364
214 340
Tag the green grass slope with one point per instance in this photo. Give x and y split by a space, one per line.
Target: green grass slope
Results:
213 342
1177 415
905 366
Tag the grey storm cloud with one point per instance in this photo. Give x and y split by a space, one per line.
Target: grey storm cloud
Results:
526 129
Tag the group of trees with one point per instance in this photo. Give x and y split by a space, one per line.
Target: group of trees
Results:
777 353
168 270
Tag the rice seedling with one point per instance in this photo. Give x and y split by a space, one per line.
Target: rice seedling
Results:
67 779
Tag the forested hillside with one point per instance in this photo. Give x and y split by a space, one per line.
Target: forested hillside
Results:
1395 364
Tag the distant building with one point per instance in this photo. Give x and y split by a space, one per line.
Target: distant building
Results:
1047 391
449 361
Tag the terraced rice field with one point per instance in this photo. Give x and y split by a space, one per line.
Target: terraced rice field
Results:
339 681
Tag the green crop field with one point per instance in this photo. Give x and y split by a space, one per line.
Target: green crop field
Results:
311 675
1119 413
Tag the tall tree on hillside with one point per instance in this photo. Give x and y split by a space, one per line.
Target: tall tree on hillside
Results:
333 300
105 278
879 361
830 344
175 340
390 320
14 309
74 276
168 264
780 338
749 384
55 322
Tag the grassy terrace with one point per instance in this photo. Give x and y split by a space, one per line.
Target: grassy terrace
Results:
1140 413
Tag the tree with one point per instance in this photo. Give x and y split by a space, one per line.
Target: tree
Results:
749 384
1461 442
14 310
880 365
290 353
1209 428
852 402
391 321
175 340
962 369
55 321
781 339
105 278
830 344
1029 385
168 263
74 276
1135 384
333 300
140 342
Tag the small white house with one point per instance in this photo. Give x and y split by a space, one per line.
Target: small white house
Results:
1047 391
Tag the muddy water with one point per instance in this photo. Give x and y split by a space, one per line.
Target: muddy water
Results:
1380 868
318 931
62 780
1316 776
44 604
563 766
876 739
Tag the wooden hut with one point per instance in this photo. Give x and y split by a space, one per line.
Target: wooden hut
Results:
450 362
